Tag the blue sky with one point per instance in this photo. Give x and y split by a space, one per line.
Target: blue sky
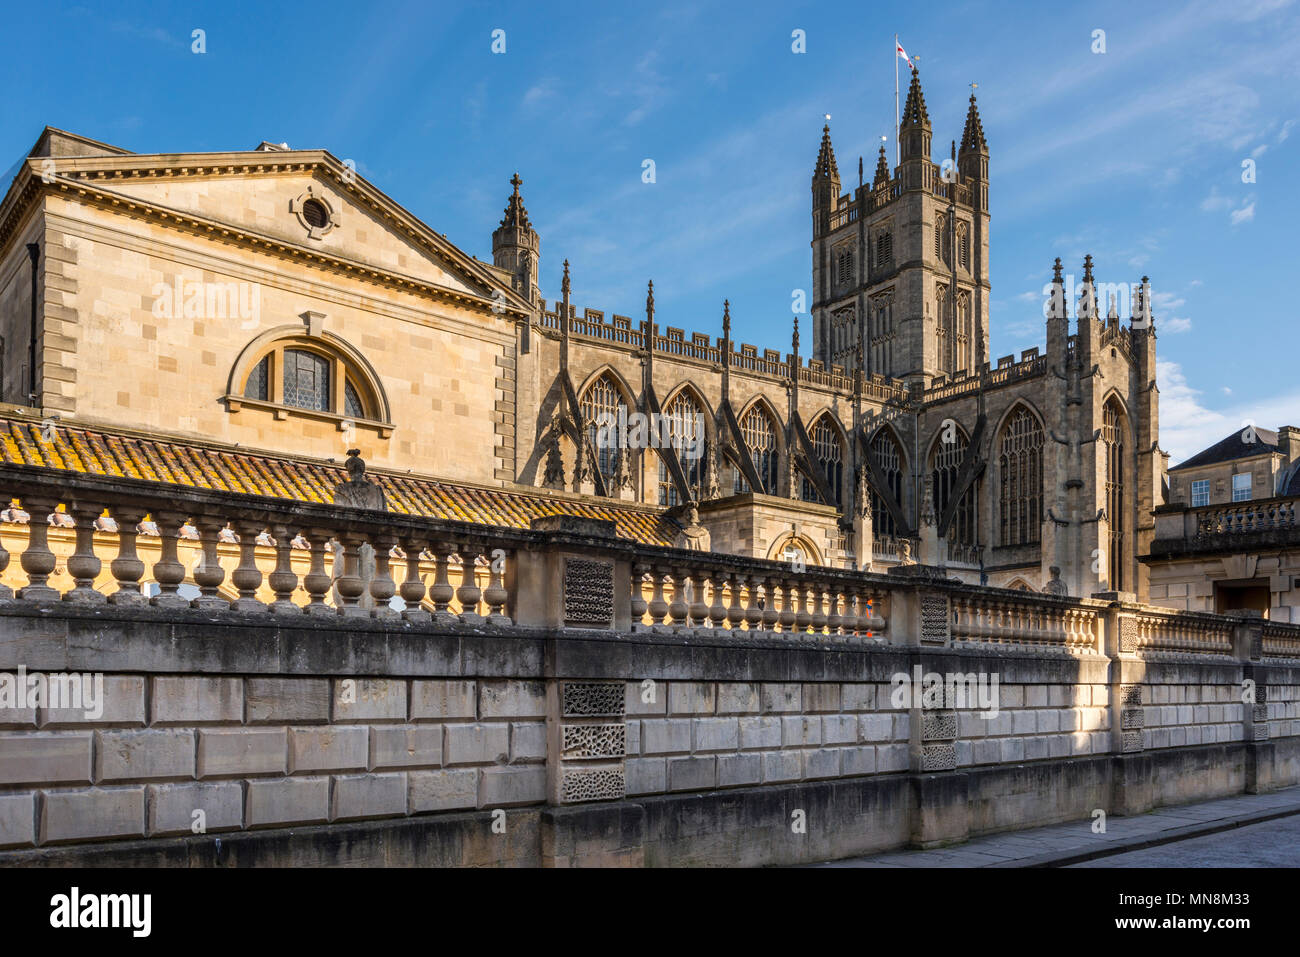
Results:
1134 155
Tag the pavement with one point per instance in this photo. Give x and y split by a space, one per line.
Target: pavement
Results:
1061 845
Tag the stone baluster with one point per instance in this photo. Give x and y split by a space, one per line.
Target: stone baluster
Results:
412 588
698 608
382 586
6 593
169 570
441 593
349 584
127 568
818 611
802 619
283 579
789 613
469 593
38 561
496 594
679 607
753 610
717 610
771 612
849 616
209 574
658 605
834 621
317 581
83 564
638 605
735 612
247 577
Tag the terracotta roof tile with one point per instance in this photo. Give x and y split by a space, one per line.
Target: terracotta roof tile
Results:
172 463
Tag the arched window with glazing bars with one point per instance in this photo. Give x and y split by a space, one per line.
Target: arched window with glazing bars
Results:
687 440
829 448
889 457
1020 473
759 433
1113 433
600 405
945 465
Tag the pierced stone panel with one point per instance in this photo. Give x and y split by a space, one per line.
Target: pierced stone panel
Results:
938 727
593 699
934 619
1130 696
939 757
1130 718
1132 741
592 784
1258 713
594 741
1128 634
588 592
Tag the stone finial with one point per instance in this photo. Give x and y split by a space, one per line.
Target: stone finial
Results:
650 301
1087 268
358 491
972 137
1056 271
794 339
516 215
726 318
882 168
914 111
564 283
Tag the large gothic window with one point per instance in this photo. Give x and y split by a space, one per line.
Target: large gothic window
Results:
1020 470
830 459
884 249
759 432
1113 433
889 458
945 465
685 418
601 404
844 267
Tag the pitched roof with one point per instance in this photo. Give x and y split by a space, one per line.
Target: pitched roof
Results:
231 470
1232 447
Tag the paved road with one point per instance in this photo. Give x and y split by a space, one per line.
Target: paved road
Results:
1269 844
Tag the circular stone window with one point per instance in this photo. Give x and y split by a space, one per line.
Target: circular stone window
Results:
316 214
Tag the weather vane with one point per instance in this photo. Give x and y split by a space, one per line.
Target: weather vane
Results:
828 117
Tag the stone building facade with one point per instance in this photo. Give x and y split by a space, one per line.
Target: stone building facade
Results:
273 303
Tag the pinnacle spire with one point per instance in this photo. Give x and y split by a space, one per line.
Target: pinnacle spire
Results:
914 111
564 285
516 215
826 157
726 318
972 137
650 301
882 168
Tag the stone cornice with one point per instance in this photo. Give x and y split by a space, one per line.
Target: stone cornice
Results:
90 178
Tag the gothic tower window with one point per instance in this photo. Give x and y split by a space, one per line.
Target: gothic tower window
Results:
601 404
759 433
844 267
885 450
884 249
963 246
945 465
685 416
1020 469
942 239
830 459
1113 432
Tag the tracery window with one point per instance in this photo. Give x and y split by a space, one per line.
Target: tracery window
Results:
888 456
1020 469
1113 432
759 433
600 405
884 249
308 374
830 459
945 466
687 438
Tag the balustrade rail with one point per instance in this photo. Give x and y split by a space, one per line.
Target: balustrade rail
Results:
1245 517
297 558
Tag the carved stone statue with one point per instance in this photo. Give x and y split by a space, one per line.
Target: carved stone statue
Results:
554 476
927 502
694 537
358 491
1056 586
905 552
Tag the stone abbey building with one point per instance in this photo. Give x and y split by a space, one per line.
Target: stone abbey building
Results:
241 320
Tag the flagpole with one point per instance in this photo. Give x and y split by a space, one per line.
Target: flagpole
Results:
898 158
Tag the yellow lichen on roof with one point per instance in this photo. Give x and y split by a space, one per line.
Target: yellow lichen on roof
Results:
172 463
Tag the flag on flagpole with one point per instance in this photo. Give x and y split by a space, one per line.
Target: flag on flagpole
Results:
902 52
